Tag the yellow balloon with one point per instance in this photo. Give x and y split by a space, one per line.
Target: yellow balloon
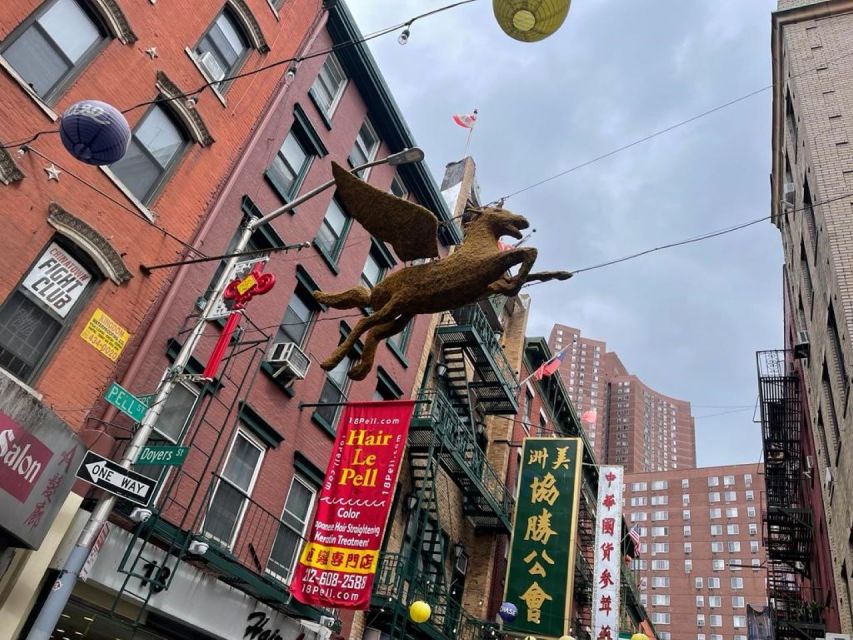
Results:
639 636
419 611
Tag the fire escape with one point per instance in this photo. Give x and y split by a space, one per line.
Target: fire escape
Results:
788 533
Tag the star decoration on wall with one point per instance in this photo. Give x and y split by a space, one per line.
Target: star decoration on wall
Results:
52 172
152 52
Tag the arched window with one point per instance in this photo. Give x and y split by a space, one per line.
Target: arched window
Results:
53 45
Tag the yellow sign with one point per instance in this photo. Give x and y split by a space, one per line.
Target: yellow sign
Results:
247 283
105 334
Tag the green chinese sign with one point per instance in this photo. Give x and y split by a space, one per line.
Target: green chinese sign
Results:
542 551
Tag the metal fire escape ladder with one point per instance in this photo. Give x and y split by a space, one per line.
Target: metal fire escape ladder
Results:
788 529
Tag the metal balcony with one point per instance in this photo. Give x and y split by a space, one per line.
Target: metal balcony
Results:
467 329
436 426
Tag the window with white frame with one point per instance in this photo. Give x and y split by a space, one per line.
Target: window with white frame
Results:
753 546
644 547
700 619
291 529
660 581
714 496
685 514
660 531
660 515
736 583
333 231
685 499
659 485
730 496
716 547
713 583
53 45
700 602
329 86
638 501
716 513
687 530
750 495
756 564
750 512
660 600
685 483
638 486
688 565
659 500
718 564
233 489
713 481
715 636
665 635
688 548
660 547
747 479
738 602
660 618
716 529
739 622
731 512
752 528
660 565
716 621
732 529
735 564
728 481
364 148
700 636
739 637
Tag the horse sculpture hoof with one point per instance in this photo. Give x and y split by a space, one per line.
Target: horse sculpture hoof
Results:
359 371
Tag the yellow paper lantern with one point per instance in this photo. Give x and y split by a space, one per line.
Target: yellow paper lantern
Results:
530 20
639 636
419 611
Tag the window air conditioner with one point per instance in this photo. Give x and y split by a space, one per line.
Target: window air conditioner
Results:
211 66
788 191
327 621
288 361
801 345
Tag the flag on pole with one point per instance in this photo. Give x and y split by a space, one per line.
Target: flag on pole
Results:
466 120
550 367
589 416
634 534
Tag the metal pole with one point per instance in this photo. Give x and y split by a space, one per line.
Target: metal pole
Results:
58 597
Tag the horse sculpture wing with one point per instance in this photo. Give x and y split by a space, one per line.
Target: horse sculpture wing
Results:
409 228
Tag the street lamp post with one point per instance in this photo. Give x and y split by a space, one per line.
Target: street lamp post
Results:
63 586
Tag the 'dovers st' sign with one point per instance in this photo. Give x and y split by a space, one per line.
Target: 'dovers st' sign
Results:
338 563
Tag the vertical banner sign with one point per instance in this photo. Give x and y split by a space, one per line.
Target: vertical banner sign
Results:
541 564
339 560
608 554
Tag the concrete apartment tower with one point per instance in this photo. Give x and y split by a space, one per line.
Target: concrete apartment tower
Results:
805 389
701 559
627 422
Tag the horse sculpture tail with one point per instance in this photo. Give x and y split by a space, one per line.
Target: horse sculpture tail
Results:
349 299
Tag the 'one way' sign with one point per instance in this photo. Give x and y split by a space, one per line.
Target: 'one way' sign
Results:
110 476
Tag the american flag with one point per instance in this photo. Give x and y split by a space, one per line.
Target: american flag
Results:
634 534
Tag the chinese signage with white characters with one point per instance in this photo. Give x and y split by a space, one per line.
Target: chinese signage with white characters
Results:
608 554
57 280
542 552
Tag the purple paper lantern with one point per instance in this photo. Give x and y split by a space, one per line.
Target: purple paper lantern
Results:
94 132
508 612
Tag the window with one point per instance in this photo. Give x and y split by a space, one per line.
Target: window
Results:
700 636
756 564
728 481
700 619
176 412
398 188
54 45
660 618
660 600
716 513
659 500
639 516
223 48
753 546
660 581
718 565
713 583
685 483
687 531
730 496
731 512
660 565
664 635
639 565
660 515
330 238
736 583
638 501
688 566
714 496
659 485
155 147
750 512
713 481
233 489
698 583
716 547
700 601
290 165
291 530
738 602
374 270
685 515
399 341
753 529
750 495
716 621
334 392
44 304
660 547
732 529
329 86
716 529
660 531
739 637
715 636
364 149
298 316
747 479
638 486
685 500
688 548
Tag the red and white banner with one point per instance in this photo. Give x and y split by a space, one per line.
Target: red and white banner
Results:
338 562
608 554
466 120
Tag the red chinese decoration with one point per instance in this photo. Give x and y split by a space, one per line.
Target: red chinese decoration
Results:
606 579
608 525
609 501
606 550
610 477
605 634
605 604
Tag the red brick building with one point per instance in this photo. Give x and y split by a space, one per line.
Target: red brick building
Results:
102 223
628 422
702 559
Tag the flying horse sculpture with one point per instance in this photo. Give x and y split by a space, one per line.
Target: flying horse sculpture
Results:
478 268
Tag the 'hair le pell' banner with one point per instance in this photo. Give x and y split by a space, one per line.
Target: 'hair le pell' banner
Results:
338 562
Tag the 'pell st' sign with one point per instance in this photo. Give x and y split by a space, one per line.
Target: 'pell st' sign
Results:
126 402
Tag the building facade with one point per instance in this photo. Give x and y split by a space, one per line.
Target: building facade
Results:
806 387
701 559
73 295
628 422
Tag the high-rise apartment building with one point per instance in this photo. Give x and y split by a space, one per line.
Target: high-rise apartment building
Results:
701 556
806 388
627 422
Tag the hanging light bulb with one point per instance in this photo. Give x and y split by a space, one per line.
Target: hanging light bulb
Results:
404 36
530 20
291 73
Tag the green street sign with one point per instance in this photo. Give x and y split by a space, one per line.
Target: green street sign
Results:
126 402
162 455
147 399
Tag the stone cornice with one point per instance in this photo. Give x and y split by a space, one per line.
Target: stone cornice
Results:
190 117
111 13
250 24
9 171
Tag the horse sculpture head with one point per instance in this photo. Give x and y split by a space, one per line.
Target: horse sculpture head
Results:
499 222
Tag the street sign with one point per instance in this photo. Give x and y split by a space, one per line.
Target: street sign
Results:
162 455
110 476
126 402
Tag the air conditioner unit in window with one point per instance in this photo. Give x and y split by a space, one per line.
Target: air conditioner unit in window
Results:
327 621
788 192
211 66
802 349
288 361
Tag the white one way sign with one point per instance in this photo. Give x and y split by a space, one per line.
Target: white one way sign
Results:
110 476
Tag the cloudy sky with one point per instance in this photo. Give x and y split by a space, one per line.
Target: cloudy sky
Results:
687 320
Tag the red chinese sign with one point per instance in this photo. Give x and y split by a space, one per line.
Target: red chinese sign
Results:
338 563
